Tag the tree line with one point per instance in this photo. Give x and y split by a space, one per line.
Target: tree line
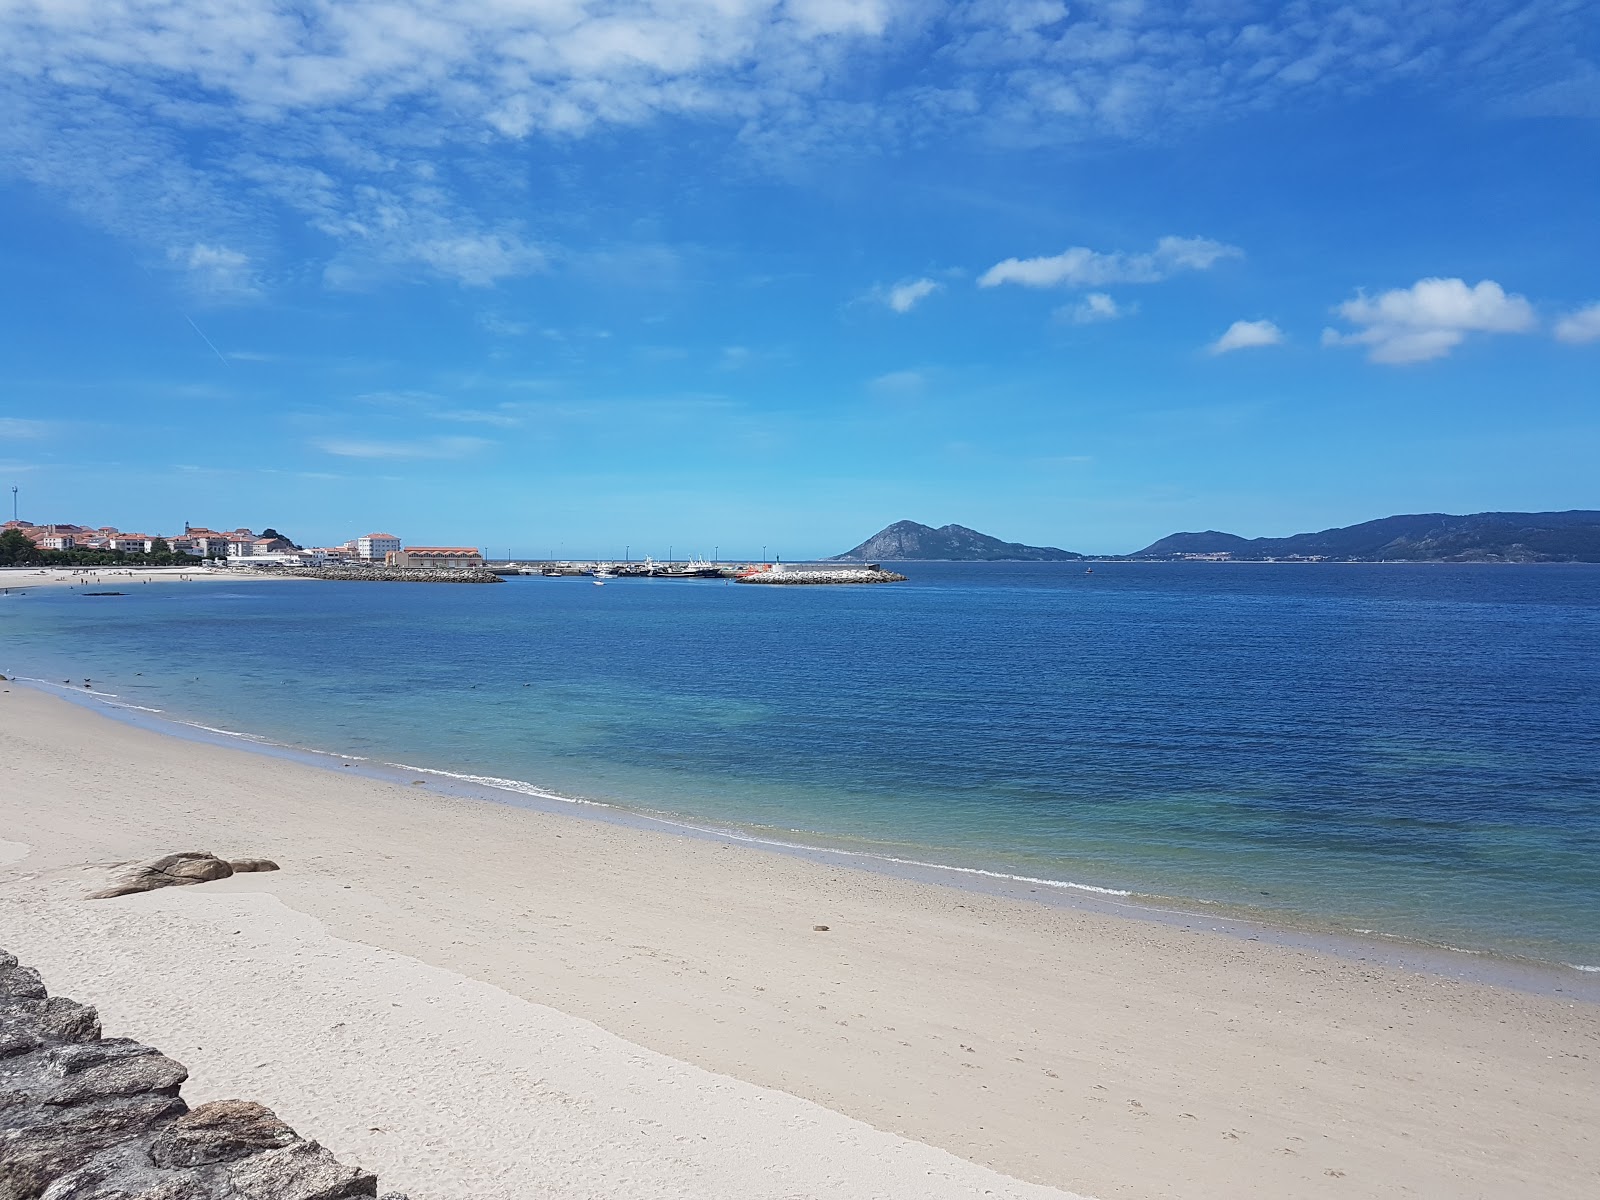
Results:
18 550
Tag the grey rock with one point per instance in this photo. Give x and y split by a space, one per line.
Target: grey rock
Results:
245 865
69 1021
113 1067
220 1131
303 1171
124 1172
172 870
40 1143
21 983
89 1118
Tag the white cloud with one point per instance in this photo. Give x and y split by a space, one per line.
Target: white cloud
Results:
1580 326
1082 267
1429 319
908 293
217 272
899 383
439 447
1094 308
381 126
1246 335
20 427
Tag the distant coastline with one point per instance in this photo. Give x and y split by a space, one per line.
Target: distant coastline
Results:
1487 537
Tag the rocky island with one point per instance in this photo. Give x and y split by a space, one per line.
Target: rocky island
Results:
908 541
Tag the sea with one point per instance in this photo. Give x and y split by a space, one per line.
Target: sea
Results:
1397 752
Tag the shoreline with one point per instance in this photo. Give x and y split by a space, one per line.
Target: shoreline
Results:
23 579
1496 968
1063 1046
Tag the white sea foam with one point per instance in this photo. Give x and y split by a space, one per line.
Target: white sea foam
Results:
140 707
249 737
917 862
1586 970
505 785
527 789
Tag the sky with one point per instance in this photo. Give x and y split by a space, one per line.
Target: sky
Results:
744 277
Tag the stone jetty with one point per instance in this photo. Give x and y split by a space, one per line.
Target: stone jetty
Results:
829 575
86 1117
394 574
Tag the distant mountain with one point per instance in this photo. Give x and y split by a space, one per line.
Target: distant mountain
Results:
907 541
1421 537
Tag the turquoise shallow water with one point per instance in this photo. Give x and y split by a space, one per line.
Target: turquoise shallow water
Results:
1412 751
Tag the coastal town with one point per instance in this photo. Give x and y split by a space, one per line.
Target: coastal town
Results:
371 557
246 547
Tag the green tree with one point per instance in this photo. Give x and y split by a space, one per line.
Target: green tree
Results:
17 548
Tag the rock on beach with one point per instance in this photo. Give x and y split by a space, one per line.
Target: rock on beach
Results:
177 870
89 1118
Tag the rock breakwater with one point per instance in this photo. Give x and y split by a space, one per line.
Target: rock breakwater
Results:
86 1117
395 574
837 575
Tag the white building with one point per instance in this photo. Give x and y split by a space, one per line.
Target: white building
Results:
375 547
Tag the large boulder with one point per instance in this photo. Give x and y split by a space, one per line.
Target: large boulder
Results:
219 1132
89 1118
171 870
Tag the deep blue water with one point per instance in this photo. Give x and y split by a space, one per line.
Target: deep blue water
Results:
1412 750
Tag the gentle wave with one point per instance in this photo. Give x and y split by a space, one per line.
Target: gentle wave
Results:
1585 969
506 785
249 737
932 866
528 789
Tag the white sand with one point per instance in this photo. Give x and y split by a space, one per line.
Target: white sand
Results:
396 975
115 578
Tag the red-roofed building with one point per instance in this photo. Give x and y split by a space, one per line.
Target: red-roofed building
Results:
435 557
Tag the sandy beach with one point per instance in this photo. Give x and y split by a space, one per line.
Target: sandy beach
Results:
480 1000
14 579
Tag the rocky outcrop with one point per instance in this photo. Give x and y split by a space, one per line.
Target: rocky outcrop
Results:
176 870
84 1117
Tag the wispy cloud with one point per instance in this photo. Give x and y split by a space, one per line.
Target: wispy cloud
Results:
1094 308
503 326
902 297
1083 267
1247 335
217 272
22 427
899 383
431 406
1429 319
1581 326
377 129
420 448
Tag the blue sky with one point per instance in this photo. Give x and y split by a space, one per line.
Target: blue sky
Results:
557 275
